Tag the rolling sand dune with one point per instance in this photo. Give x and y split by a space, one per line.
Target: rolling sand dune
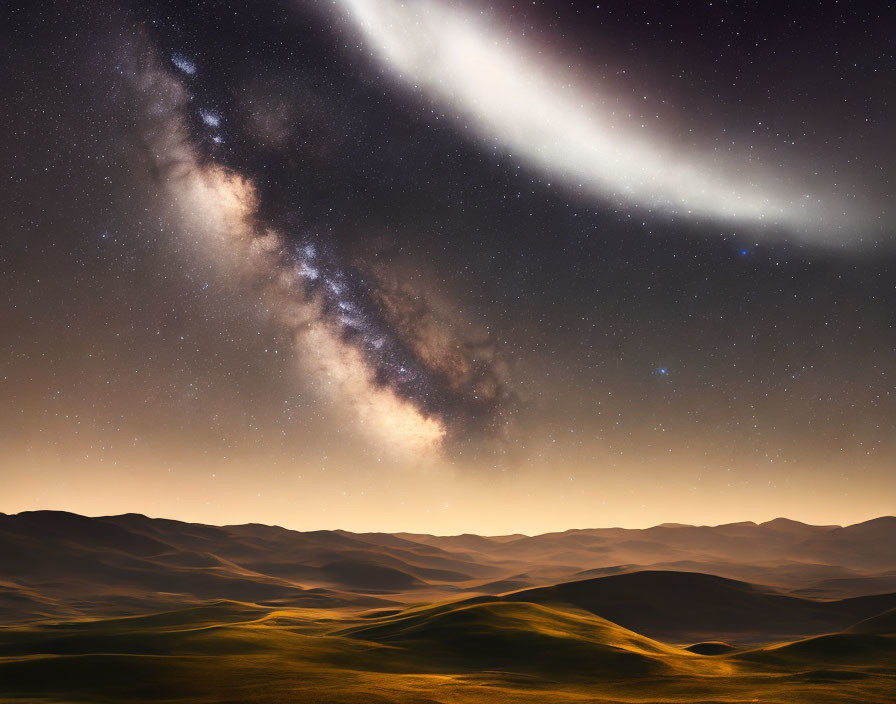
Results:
687 606
475 651
133 609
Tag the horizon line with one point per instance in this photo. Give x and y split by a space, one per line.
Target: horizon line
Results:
665 524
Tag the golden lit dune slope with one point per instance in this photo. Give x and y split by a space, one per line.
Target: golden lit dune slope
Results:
476 650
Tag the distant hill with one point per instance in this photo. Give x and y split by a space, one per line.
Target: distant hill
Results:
826 561
686 606
55 564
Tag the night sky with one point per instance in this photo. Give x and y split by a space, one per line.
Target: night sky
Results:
449 266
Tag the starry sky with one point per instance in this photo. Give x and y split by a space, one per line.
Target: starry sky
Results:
449 266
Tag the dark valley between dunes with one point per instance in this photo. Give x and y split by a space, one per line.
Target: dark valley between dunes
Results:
130 608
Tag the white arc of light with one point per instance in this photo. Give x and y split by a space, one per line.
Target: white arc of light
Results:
512 96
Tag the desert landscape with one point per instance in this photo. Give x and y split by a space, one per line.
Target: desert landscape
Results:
129 608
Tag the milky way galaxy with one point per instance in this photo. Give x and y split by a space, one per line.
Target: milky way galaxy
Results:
403 392
449 266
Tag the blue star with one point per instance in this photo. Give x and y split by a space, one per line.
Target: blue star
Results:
663 371
743 252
